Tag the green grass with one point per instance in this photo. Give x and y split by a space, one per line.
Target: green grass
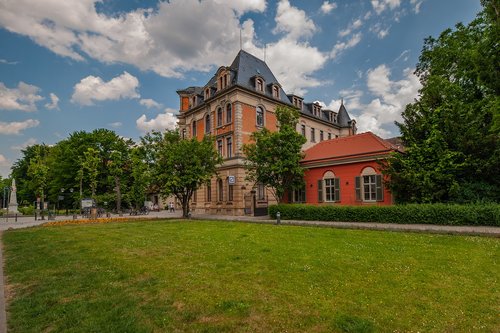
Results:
236 277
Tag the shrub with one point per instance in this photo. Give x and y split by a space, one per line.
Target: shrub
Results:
28 210
442 214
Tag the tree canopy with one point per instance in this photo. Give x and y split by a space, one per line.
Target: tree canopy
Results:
273 158
451 132
181 166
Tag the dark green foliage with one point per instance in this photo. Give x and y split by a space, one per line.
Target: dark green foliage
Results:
451 132
440 214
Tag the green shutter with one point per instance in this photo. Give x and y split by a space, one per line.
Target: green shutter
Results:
358 188
320 190
337 189
380 188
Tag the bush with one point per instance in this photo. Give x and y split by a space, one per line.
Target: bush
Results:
28 210
442 214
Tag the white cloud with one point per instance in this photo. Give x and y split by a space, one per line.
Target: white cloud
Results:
5 165
150 103
404 55
54 101
327 7
29 142
390 99
416 5
353 26
162 122
340 47
116 124
16 127
150 39
380 5
22 98
6 62
380 30
293 21
93 88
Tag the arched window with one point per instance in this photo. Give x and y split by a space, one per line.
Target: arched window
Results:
331 186
229 113
369 186
207 123
230 191
219 117
260 116
193 131
259 85
207 93
193 101
276 92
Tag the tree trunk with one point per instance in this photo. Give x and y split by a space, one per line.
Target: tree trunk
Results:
118 195
185 207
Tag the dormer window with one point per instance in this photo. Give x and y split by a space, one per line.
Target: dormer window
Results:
207 93
259 85
193 101
276 92
316 109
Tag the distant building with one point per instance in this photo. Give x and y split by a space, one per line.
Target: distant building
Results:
237 101
346 171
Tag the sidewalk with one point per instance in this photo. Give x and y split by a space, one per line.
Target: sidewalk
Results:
424 228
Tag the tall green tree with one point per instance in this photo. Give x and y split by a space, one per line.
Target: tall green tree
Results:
181 165
452 142
38 173
90 164
273 158
139 177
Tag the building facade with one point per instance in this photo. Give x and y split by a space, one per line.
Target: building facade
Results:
346 171
237 101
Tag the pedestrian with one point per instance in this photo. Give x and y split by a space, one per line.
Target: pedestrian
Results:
172 209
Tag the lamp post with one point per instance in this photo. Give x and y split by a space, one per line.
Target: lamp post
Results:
6 190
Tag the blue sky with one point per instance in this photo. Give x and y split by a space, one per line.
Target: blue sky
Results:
86 64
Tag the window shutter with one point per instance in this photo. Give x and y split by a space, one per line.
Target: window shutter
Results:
320 190
380 188
358 188
337 189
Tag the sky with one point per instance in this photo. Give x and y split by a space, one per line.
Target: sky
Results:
77 65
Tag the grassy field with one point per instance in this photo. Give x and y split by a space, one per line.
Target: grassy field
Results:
236 277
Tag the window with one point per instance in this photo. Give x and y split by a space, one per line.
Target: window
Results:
209 192
225 81
303 130
193 101
207 123
220 190
321 138
276 92
259 85
369 186
220 83
261 192
219 117
193 131
329 136
229 146
229 113
299 195
230 191
195 195
207 93
313 135
329 188
219 147
260 116
183 133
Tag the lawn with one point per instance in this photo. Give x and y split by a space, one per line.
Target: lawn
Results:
238 277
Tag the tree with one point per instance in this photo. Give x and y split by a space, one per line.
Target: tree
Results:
181 165
115 166
451 139
274 157
90 164
139 177
38 173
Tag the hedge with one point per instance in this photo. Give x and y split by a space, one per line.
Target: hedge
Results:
442 214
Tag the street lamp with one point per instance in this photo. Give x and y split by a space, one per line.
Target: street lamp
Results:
6 191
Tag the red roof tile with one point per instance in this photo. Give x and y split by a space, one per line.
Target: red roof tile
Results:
350 146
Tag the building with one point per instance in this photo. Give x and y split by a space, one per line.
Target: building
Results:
237 101
346 171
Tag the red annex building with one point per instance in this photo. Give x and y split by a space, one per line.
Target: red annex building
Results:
346 171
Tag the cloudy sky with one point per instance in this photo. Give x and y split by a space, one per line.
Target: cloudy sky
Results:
85 64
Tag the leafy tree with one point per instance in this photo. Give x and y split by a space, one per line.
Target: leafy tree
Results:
274 157
90 164
181 165
115 166
139 177
38 172
451 138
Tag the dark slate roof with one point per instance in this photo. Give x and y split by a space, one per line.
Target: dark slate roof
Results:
191 90
343 118
246 66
